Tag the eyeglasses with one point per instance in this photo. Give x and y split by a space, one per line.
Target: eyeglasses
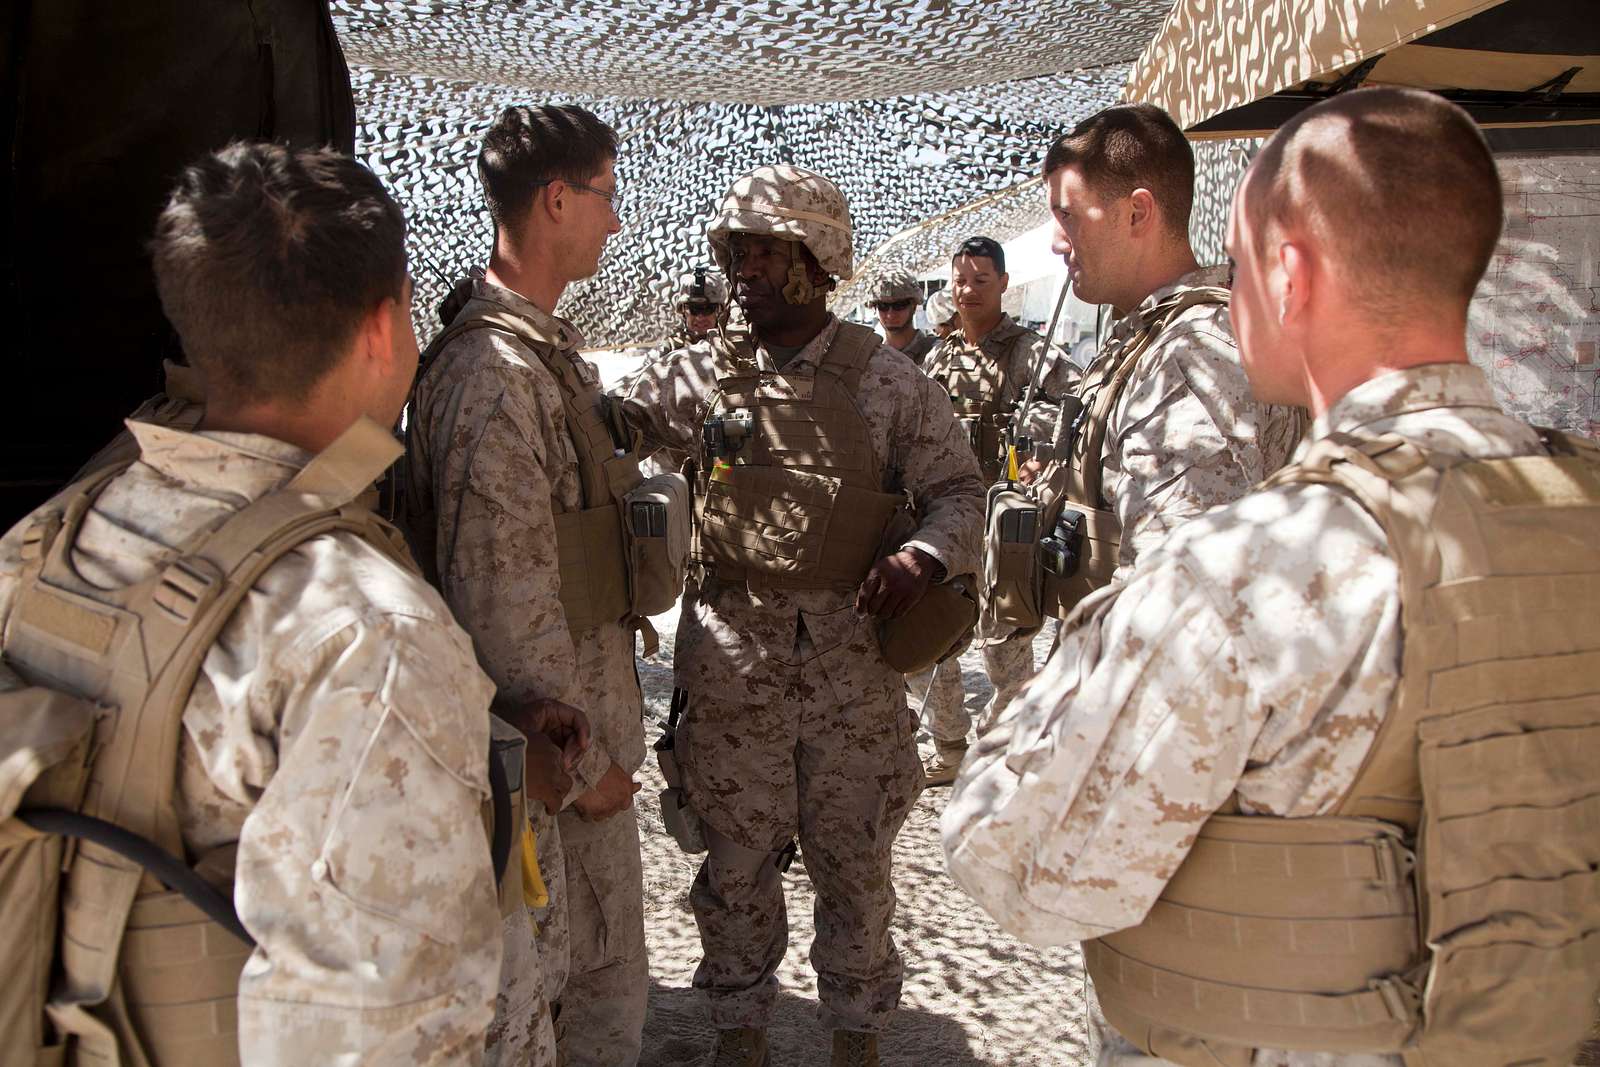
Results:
701 309
614 197
894 305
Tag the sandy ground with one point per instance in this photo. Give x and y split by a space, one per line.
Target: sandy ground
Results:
973 995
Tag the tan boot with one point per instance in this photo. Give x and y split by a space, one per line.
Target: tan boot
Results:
744 1047
941 767
855 1048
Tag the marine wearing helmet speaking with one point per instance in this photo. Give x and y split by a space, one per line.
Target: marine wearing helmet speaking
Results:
895 296
853 429
698 300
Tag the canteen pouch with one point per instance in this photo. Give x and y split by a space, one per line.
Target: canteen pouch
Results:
681 821
936 627
657 523
1013 578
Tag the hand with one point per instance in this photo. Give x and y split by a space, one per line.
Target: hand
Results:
895 584
1029 472
545 773
563 724
611 795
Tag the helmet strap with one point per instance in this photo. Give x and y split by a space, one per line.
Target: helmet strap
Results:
800 289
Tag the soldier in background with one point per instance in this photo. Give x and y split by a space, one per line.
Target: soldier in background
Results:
942 318
986 366
895 296
1378 640
509 450
698 301
792 722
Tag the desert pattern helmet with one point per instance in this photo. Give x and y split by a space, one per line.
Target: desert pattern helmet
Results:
702 285
792 203
894 285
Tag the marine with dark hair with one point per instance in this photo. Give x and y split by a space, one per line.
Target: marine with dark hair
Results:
1314 782
517 473
986 365
277 700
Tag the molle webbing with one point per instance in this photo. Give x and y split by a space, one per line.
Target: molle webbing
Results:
141 968
592 554
803 505
1102 530
1478 790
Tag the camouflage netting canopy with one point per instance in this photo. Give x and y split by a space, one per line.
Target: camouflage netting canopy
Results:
932 116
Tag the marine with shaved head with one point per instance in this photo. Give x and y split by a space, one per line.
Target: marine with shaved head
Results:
1217 782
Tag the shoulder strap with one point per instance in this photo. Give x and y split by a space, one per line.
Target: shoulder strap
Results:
1085 479
848 355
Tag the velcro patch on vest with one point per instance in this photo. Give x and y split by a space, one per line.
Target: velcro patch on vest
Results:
74 624
1533 481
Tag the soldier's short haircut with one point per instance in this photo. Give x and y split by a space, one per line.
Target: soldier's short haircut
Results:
530 146
267 260
982 247
1128 147
1398 185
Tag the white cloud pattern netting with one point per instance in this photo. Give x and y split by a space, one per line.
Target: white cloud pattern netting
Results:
919 110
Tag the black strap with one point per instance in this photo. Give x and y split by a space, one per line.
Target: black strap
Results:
168 869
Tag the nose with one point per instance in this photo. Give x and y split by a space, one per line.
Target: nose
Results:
1059 243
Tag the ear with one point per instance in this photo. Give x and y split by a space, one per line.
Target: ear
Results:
1005 281
550 201
375 335
1143 216
1291 282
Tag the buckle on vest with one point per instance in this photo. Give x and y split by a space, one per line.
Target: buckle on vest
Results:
1394 860
1400 997
39 536
186 587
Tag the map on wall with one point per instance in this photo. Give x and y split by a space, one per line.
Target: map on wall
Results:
1534 325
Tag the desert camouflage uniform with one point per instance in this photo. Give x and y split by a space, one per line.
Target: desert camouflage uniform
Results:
917 351
795 723
1186 434
338 733
494 453
1008 354
1256 653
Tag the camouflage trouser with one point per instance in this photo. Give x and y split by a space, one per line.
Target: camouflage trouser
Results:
1009 665
843 779
601 1020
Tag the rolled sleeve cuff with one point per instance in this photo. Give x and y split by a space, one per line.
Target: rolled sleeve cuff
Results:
592 767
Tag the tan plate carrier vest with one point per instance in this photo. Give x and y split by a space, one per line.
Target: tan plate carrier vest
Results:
801 504
1449 910
975 396
136 975
1102 387
592 549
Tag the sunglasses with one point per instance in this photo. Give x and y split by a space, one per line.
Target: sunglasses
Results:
701 309
894 305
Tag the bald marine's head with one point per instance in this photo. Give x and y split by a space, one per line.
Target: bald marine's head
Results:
1359 235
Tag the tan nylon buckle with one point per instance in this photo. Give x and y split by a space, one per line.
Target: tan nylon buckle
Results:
1400 997
39 536
1394 860
187 586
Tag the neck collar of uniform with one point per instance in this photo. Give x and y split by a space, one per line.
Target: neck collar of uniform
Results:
1429 386
809 356
553 330
244 465
1139 317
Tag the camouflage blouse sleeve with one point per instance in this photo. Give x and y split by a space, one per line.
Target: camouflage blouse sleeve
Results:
363 871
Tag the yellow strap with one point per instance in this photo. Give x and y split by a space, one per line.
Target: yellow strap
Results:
534 892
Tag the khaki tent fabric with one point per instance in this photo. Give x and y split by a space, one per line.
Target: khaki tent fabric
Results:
1510 62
